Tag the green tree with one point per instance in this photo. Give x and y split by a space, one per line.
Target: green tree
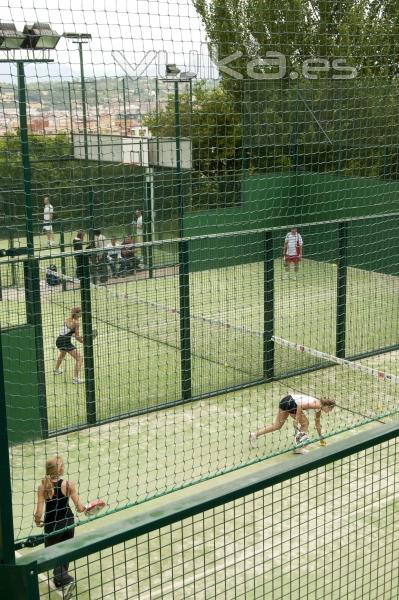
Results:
364 32
213 124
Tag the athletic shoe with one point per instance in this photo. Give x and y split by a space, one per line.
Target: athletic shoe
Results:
57 371
68 590
66 581
301 451
295 278
77 380
253 439
285 276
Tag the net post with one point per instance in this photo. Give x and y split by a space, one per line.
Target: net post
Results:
34 317
184 276
85 299
185 331
19 581
268 307
7 554
13 270
341 289
63 266
148 251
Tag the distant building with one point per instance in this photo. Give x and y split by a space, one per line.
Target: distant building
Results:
38 125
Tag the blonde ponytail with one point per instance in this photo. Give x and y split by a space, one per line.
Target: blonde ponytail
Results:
48 487
53 466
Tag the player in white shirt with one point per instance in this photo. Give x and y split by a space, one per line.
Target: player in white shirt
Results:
295 405
292 251
48 213
138 222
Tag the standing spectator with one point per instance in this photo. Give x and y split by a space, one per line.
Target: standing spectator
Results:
138 222
99 239
114 256
48 214
292 251
77 243
101 257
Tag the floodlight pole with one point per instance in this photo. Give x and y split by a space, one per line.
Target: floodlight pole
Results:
80 39
124 104
184 275
23 133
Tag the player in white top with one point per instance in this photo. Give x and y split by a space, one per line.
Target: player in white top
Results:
138 222
48 213
292 251
295 405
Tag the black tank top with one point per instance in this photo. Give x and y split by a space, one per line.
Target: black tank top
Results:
58 512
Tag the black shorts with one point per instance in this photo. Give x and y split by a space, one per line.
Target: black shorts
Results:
64 343
288 404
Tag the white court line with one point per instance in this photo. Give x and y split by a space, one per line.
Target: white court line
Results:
41 577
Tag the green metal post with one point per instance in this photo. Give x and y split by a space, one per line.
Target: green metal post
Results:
85 298
268 307
34 317
23 132
91 214
7 554
100 172
184 276
63 267
341 289
19 581
148 220
124 104
84 105
70 108
90 206
13 267
294 187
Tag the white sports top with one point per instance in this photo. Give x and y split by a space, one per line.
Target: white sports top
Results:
302 399
292 240
48 212
65 330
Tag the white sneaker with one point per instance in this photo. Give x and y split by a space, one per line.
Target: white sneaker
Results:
57 371
68 591
77 380
301 451
295 278
253 439
285 276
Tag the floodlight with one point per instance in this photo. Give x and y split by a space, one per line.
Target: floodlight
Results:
10 38
76 36
40 36
188 75
172 70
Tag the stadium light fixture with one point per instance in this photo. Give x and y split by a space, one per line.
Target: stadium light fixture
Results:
172 70
10 38
40 36
76 36
188 76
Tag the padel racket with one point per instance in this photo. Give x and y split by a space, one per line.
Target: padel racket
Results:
94 507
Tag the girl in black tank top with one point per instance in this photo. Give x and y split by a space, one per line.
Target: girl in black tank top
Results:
53 497
64 344
58 513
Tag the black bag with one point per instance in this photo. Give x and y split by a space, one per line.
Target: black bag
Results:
51 276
